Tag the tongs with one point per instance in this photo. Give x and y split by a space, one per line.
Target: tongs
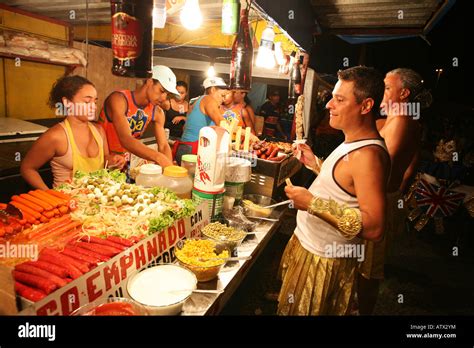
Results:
277 204
10 211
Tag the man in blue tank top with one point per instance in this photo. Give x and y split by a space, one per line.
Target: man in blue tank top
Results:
204 112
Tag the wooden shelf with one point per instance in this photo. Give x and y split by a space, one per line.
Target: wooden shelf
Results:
38 60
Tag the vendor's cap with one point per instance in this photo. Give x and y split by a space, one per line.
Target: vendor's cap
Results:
166 77
214 82
275 92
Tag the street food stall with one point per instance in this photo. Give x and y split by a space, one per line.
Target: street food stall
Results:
197 158
89 245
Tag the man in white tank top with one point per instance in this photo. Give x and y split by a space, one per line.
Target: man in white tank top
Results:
320 261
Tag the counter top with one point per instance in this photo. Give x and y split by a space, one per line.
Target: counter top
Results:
233 273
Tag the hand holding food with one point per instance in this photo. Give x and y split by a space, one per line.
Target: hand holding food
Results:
300 196
306 156
115 161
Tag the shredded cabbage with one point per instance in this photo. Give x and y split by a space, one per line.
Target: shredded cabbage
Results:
108 219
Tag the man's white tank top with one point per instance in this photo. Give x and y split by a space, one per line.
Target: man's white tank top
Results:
314 234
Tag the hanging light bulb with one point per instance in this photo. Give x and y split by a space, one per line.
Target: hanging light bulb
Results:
191 16
266 56
211 72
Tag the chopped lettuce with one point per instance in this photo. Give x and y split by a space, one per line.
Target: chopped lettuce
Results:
61 187
115 175
78 174
187 209
164 194
168 217
161 222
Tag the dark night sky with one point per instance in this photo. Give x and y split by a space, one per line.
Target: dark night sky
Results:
449 38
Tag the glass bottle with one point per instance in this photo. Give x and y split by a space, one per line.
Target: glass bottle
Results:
132 37
242 57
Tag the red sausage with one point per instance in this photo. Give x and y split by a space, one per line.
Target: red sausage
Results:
50 267
91 253
73 271
41 273
39 282
29 293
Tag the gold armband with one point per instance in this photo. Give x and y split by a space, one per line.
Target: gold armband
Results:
348 221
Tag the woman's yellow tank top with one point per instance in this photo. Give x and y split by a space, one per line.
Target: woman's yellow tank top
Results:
83 163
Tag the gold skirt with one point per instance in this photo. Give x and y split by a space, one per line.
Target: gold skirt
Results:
314 285
375 253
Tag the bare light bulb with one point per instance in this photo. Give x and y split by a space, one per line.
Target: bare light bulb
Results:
211 72
191 16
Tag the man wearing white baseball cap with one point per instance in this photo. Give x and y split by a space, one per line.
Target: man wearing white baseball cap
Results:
126 115
204 112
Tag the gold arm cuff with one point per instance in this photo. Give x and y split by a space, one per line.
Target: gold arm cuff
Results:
348 221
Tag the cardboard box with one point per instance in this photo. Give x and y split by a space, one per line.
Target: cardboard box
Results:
109 279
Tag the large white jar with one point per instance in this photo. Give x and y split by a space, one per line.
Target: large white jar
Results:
149 175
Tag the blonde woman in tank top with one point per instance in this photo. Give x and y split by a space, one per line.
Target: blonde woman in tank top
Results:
74 144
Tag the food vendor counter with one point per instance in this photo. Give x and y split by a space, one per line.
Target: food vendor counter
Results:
11 154
233 273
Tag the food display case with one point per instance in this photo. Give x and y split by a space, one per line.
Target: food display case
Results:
269 171
268 177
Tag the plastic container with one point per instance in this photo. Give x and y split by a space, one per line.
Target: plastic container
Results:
189 162
214 201
211 159
177 180
149 175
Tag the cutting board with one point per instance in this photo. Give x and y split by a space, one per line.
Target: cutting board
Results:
13 130
12 126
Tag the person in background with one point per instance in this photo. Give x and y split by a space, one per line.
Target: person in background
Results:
205 111
241 98
231 110
127 114
402 134
319 264
271 111
75 144
176 109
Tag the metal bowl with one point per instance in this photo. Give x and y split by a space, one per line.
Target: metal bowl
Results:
252 211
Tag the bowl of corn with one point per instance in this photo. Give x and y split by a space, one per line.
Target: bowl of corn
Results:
204 257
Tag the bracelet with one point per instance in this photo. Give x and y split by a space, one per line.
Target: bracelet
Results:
348 221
